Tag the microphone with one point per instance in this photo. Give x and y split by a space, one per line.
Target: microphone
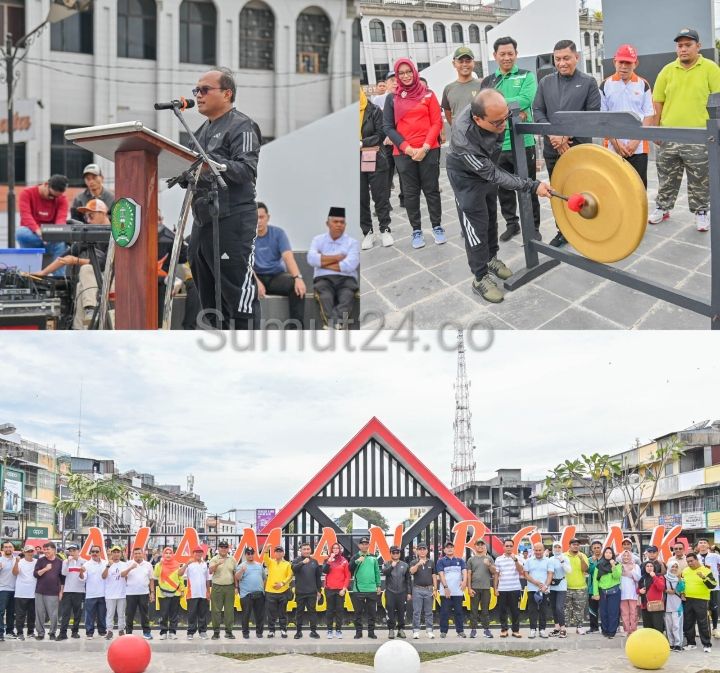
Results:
182 104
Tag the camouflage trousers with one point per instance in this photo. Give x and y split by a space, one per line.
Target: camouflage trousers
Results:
575 605
673 159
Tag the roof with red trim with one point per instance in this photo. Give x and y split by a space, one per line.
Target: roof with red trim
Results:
374 429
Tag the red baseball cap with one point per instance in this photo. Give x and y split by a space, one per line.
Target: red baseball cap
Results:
626 52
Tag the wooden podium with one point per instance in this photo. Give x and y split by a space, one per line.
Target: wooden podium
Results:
142 157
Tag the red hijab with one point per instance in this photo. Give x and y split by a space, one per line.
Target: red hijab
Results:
407 97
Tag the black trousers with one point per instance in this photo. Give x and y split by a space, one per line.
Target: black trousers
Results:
197 615
421 176
594 613
335 607
276 608
714 600
306 602
365 603
537 612
508 198
7 612
283 284
24 614
240 305
71 606
137 603
656 620
336 296
477 209
395 609
508 603
169 613
696 612
254 603
640 163
388 151
377 185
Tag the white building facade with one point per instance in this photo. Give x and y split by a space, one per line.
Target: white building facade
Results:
292 60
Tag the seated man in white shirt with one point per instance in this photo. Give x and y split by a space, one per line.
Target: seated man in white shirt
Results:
335 257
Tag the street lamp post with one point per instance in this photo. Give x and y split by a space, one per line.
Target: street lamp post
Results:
13 52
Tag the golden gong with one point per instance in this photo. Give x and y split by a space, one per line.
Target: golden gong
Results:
615 225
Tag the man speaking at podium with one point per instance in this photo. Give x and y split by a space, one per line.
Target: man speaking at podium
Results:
231 138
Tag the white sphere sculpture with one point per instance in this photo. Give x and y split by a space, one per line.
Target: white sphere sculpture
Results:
397 655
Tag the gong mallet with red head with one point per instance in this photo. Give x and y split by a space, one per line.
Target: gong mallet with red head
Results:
582 203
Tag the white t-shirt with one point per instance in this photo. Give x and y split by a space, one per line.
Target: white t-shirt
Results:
198 575
25 581
73 583
138 579
115 585
509 577
94 583
7 579
712 560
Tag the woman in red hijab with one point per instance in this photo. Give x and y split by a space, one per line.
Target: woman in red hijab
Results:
412 121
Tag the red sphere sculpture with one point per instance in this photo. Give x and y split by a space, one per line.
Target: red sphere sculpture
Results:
129 654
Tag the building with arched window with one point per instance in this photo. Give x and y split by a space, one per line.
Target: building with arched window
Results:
292 60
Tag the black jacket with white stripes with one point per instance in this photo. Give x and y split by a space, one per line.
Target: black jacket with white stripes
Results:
475 152
234 140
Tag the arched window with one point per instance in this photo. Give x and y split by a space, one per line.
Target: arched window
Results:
419 32
377 31
474 34
257 36
596 39
399 31
586 36
136 29
456 32
439 33
198 31
313 40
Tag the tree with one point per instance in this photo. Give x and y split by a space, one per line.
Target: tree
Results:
372 516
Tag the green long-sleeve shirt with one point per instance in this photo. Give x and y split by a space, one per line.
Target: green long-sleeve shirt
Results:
607 581
519 86
365 572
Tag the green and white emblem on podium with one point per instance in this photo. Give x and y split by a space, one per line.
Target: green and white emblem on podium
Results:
125 221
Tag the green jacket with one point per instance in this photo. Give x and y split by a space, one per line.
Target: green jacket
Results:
517 86
607 581
592 564
365 573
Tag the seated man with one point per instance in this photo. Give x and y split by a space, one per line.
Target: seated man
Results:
336 258
94 189
95 212
38 205
275 267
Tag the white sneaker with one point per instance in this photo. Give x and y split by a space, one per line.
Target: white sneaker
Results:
163 636
338 634
173 636
702 223
716 633
368 241
543 633
430 634
416 635
707 649
387 239
658 215
189 636
330 634
690 647
581 630
533 633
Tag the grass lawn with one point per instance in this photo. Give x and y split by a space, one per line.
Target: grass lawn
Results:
248 656
367 658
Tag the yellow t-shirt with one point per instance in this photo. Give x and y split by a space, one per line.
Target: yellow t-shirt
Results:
278 572
684 92
576 577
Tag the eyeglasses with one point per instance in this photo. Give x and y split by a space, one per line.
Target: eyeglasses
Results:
95 551
205 89
497 124
395 552
404 72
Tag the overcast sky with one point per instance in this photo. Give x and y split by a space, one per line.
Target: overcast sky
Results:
254 427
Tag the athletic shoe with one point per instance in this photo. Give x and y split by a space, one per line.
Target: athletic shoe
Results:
391 635
330 634
314 634
62 636
358 635
554 633
543 633
189 636
386 239
416 635
690 647
271 634
498 267
52 636
702 223
10 635
298 635
22 637
658 215
591 631
486 288
338 634
430 635
89 636
558 241
215 636
533 633
2 638
581 631
512 230
473 633
401 634
163 636
173 636
148 636
461 634
443 635
77 635
283 634
230 635
715 633
109 635
246 636
418 240
39 637
368 241
707 649
487 633
438 234
537 235
371 635
562 634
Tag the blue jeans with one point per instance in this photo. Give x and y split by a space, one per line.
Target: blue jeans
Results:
453 603
7 608
26 238
95 609
610 610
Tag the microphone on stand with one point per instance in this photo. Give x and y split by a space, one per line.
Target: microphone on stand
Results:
182 105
